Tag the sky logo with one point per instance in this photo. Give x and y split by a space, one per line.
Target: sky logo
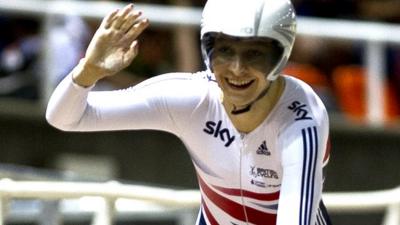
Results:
216 131
299 108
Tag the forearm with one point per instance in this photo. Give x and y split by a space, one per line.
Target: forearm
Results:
301 192
67 104
302 182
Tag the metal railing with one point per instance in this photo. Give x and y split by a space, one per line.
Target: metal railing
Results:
181 204
112 200
374 36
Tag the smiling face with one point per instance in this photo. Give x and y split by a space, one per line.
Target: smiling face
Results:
240 66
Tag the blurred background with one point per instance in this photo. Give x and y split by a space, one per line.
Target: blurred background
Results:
347 50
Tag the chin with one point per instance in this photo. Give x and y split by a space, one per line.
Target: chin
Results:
239 101
243 97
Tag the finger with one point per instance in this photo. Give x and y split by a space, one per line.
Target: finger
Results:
132 52
130 20
137 29
106 23
120 17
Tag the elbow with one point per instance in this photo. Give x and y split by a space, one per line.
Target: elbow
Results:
56 122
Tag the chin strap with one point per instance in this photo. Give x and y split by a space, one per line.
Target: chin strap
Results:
246 108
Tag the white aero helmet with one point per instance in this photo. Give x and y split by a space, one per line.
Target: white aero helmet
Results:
273 19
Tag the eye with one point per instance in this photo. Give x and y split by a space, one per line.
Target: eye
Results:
224 51
254 54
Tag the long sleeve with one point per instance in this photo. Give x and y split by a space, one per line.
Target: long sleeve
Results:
304 146
149 105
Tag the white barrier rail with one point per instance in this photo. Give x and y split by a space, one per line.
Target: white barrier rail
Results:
148 200
374 36
164 201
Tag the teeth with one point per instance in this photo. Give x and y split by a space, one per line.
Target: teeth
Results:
239 82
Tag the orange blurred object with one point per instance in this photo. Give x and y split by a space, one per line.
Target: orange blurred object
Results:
349 83
308 73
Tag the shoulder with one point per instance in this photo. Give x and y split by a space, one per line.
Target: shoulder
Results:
301 105
295 86
302 118
179 88
175 77
176 82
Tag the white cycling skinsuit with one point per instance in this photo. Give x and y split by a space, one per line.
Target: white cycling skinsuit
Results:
272 175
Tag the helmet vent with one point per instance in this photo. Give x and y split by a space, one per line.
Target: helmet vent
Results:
286 30
258 15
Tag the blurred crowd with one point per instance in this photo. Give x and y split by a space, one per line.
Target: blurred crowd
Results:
334 68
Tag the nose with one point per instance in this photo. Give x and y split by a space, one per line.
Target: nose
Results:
237 65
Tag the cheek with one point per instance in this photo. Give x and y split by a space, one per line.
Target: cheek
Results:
264 84
262 81
217 64
218 70
263 68
219 78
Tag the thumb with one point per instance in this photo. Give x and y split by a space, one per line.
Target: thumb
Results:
132 51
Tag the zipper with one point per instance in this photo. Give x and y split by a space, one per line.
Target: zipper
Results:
242 149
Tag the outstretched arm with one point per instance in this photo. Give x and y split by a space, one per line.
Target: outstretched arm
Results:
112 48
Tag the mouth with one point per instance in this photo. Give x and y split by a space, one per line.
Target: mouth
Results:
239 84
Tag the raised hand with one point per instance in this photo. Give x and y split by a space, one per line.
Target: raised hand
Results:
113 46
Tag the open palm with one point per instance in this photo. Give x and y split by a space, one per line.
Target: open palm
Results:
114 44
